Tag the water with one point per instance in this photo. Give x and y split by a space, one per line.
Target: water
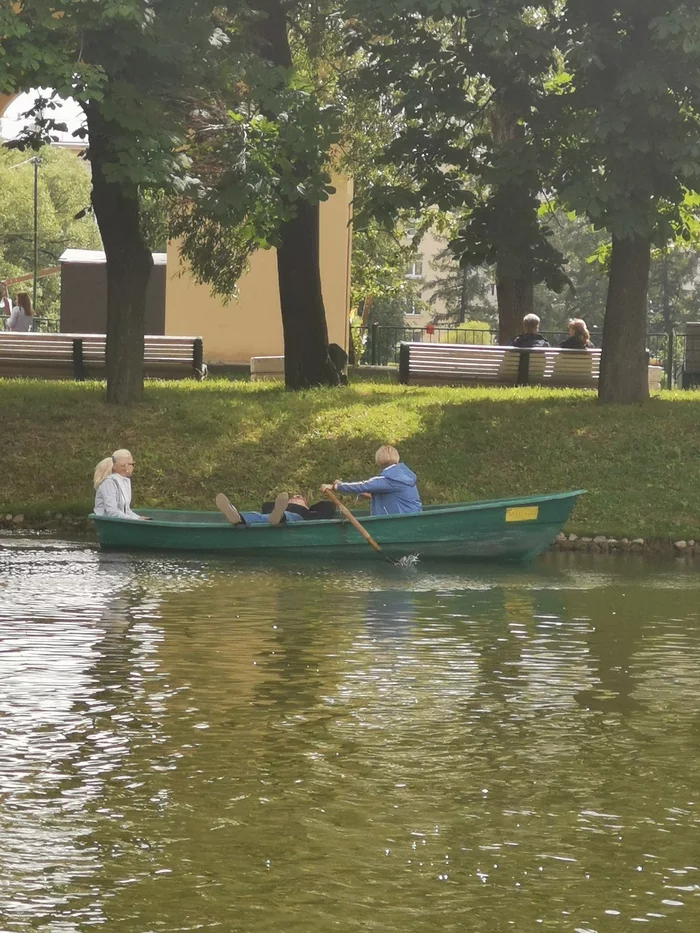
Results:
191 745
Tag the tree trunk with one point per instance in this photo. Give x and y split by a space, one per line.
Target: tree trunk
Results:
515 300
624 362
463 295
306 359
514 288
129 264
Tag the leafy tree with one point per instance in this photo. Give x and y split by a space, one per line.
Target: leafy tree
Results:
585 251
262 147
460 82
464 290
674 280
628 120
379 261
63 192
129 64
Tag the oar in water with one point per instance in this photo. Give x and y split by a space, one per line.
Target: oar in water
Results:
346 513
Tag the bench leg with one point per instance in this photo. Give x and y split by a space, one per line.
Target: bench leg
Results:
78 362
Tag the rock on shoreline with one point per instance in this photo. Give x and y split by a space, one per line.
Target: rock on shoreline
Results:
602 544
50 521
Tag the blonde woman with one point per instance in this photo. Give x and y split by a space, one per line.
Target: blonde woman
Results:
22 315
392 492
112 482
579 338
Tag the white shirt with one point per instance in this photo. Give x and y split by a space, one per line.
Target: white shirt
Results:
18 320
113 497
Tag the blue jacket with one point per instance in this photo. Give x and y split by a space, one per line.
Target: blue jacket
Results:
393 491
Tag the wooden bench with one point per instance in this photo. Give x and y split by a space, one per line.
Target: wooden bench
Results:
474 364
82 356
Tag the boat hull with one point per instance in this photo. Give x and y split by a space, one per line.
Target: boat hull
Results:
502 529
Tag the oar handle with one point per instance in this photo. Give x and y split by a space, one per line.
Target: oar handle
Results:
353 521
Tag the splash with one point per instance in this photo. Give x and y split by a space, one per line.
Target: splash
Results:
409 560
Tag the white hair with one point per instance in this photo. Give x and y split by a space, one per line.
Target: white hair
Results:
105 467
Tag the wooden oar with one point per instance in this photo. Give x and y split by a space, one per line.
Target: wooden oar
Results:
346 513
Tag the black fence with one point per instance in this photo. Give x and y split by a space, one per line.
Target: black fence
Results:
40 325
380 345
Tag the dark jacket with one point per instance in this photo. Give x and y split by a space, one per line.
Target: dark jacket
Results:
574 343
530 340
317 511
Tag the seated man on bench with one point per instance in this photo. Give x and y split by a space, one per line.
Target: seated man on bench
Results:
530 336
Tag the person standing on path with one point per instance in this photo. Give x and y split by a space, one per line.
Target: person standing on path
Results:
22 316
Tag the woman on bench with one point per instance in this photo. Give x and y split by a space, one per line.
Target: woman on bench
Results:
579 338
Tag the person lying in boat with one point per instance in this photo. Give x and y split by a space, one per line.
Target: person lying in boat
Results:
112 482
392 492
317 511
285 508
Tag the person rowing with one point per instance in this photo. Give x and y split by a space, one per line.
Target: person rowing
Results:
393 492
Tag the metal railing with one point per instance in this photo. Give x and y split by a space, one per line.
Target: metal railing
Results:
40 325
46 325
380 344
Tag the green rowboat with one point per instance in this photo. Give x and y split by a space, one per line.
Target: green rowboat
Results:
502 529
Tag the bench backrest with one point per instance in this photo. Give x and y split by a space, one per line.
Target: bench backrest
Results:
83 355
575 368
691 363
459 364
49 355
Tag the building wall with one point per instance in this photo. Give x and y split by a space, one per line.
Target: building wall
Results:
84 299
430 247
427 253
251 325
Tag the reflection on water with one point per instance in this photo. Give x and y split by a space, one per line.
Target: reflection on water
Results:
195 745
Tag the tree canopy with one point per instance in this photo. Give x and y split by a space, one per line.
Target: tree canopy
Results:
63 193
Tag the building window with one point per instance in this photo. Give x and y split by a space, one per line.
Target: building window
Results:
412 309
415 268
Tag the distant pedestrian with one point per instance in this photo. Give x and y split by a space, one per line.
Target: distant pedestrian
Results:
579 338
5 303
530 336
22 316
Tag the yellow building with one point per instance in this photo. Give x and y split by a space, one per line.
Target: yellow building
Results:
251 325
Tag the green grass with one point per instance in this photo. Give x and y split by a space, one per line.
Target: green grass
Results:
640 465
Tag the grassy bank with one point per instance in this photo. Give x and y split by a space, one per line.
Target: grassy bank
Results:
640 465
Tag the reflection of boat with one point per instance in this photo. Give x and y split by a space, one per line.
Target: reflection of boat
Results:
515 529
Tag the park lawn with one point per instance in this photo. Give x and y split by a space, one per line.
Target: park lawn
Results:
640 464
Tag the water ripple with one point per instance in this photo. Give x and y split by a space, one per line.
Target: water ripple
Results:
191 744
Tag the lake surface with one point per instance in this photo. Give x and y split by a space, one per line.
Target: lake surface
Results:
206 745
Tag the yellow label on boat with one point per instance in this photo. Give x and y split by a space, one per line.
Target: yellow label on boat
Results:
523 513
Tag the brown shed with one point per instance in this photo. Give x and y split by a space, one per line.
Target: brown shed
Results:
84 293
